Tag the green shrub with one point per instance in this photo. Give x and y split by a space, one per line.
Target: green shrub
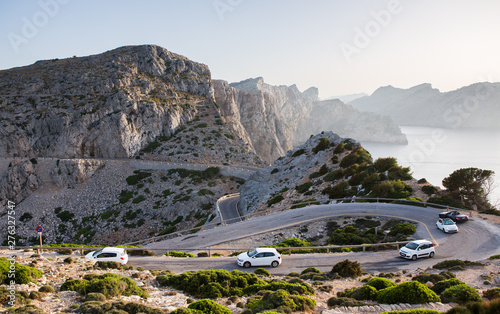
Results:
22 274
186 311
334 175
179 254
203 192
125 196
304 187
492 294
446 201
323 144
454 263
399 173
209 307
366 292
210 283
429 189
340 190
27 309
392 189
408 292
36 295
495 256
108 284
404 228
298 152
138 176
380 283
65 216
347 268
310 270
140 253
276 199
384 164
109 265
434 278
47 289
294 288
138 199
202 254
445 284
358 156
281 301
460 294
263 272
94 307
95 296
414 311
343 301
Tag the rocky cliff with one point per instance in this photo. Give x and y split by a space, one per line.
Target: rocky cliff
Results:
18 181
108 105
276 118
473 106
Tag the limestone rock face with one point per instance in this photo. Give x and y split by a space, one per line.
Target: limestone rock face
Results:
18 182
69 173
277 118
108 105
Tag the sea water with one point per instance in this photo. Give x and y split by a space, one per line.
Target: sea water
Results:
434 153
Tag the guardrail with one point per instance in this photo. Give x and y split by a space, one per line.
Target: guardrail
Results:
267 212
319 249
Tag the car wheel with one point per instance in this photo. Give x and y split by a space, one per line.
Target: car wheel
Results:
274 264
431 255
246 265
414 257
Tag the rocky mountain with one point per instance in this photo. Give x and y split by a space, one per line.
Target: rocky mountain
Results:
473 106
326 167
276 118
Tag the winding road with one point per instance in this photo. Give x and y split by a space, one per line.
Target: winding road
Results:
478 239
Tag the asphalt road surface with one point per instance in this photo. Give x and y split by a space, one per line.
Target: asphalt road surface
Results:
477 239
229 209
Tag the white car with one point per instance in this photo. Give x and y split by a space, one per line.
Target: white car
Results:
260 257
416 249
109 254
446 225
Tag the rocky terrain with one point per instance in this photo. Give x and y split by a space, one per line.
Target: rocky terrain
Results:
473 106
326 167
56 271
274 119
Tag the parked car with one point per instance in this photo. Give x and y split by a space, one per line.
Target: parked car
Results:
260 257
109 254
446 225
416 249
454 215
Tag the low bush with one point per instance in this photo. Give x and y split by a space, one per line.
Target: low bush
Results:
69 260
47 289
275 199
454 263
95 296
380 283
28 309
460 294
209 307
179 254
211 283
488 307
22 275
311 270
281 301
492 294
109 265
304 187
414 311
408 292
434 278
140 253
495 256
429 189
91 307
263 272
20 297
295 288
365 292
108 284
404 228
342 301
445 284
347 268
384 164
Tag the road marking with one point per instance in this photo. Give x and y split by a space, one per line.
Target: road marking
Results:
339 215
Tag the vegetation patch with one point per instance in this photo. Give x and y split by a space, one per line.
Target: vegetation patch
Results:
117 307
412 292
138 176
455 264
347 268
282 302
275 199
179 254
22 274
110 285
460 294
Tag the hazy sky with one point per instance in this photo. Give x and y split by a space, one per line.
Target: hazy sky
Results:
341 47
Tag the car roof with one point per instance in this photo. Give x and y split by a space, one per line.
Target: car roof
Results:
266 249
421 241
447 219
113 249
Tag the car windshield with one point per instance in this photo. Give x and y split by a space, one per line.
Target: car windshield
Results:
411 245
97 252
252 252
449 222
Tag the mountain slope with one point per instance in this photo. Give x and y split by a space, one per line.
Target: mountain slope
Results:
473 106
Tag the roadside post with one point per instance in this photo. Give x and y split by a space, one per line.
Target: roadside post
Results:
39 229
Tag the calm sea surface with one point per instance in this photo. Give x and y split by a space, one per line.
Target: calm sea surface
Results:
434 153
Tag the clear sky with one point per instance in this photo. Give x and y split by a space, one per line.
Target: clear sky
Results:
341 47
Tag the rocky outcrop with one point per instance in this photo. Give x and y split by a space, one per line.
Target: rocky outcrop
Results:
473 106
69 173
277 118
19 181
108 105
